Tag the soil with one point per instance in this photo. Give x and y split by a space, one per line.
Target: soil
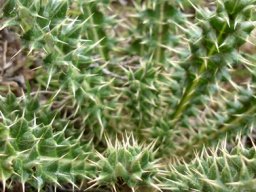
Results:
13 70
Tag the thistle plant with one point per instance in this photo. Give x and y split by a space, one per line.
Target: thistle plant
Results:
227 171
152 96
127 161
32 153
